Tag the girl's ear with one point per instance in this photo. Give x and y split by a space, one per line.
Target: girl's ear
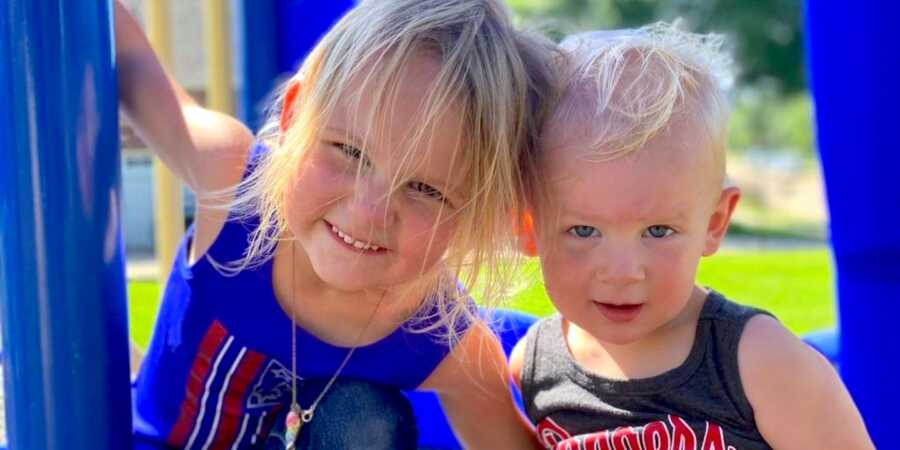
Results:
526 235
290 102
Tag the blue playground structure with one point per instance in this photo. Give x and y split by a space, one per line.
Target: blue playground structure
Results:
62 283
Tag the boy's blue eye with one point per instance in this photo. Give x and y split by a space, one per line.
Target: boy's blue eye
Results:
427 190
658 231
584 231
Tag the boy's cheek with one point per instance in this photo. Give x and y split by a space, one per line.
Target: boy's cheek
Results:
675 270
562 266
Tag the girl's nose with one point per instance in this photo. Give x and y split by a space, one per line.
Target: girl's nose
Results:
371 202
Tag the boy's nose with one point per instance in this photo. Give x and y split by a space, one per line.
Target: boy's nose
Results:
620 266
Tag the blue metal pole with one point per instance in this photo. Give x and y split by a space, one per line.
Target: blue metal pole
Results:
853 53
61 263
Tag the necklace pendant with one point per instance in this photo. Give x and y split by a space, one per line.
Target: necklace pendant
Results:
292 425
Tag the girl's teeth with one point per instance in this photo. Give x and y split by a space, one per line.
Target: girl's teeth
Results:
357 244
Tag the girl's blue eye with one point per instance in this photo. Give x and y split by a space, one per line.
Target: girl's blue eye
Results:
427 190
352 153
349 150
584 231
658 231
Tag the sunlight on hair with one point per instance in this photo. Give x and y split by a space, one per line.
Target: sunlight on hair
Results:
638 81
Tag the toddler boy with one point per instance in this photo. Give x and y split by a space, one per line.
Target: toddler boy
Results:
632 194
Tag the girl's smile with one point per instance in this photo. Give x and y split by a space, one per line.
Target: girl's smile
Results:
363 247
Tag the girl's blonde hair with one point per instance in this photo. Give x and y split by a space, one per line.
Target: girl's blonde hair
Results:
493 77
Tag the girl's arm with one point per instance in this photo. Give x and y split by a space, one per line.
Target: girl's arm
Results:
472 384
798 400
204 149
516 359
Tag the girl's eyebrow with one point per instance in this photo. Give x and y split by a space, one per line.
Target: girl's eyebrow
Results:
450 194
346 134
352 142
356 142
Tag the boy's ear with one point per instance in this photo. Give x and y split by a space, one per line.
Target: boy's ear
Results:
525 234
290 102
720 218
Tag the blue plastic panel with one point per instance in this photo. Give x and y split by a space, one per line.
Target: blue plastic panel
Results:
272 39
854 56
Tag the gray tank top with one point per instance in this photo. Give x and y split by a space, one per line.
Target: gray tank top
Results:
699 405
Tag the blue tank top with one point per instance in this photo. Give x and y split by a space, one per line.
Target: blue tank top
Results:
217 370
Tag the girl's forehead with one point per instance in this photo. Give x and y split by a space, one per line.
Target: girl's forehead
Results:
400 108
388 73
402 129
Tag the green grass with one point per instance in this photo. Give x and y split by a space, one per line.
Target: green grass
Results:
795 285
143 303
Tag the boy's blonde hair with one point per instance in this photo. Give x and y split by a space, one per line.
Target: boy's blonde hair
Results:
493 77
633 84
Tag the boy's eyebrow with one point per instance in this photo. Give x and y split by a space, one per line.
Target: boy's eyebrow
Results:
573 212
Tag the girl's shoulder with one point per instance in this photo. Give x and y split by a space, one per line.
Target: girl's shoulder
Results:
214 213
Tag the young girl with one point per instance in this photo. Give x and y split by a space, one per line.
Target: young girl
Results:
382 185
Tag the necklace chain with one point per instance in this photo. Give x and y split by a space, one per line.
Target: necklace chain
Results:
306 415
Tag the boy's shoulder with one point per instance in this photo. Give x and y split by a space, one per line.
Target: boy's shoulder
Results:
731 325
787 381
534 341
727 312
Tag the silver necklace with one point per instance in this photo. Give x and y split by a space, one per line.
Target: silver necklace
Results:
298 416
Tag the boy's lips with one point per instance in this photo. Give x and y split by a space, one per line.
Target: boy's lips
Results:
619 313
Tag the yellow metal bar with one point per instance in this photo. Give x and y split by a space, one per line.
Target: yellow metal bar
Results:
157 24
217 41
169 211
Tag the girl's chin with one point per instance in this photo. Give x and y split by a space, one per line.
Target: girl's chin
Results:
345 280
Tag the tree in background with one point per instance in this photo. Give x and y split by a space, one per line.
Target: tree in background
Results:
765 34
